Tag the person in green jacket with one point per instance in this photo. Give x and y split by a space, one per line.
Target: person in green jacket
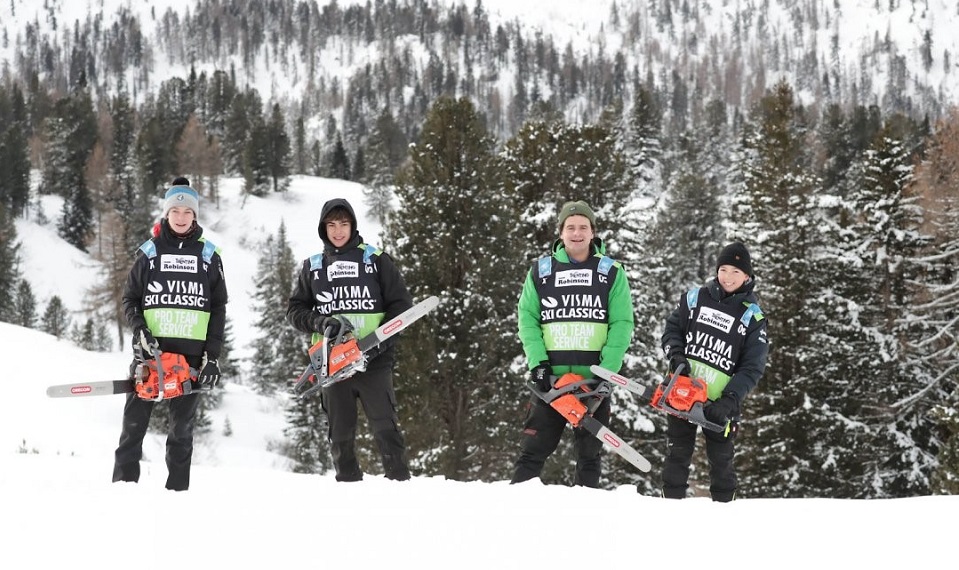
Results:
575 311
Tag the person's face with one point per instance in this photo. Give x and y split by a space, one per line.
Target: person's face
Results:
338 232
576 234
180 219
730 277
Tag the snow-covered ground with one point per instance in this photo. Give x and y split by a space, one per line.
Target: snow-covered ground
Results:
246 510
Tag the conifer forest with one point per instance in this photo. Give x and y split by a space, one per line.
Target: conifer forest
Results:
838 167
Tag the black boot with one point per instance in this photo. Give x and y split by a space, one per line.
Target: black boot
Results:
344 460
393 453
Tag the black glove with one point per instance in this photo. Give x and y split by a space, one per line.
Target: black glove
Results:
725 408
209 373
541 376
144 345
678 360
329 325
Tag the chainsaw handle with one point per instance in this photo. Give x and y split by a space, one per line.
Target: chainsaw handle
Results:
579 389
679 369
695 413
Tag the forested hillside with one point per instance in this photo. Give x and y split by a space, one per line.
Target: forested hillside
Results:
822 134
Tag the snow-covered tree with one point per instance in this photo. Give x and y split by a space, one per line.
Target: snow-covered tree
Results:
279 351
456 394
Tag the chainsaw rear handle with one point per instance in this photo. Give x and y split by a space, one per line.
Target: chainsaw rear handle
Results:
582 389
695 413
144 387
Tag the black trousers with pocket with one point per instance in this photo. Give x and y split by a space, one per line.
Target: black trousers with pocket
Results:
374 390
542 432
720 451
179 442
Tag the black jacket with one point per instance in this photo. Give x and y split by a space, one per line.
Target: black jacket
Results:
172 289
746 341
379 276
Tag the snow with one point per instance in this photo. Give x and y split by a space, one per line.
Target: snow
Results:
245 509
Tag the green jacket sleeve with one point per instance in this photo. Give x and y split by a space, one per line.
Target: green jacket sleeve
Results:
530 331
620 323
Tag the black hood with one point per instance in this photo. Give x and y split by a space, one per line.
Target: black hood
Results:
327 208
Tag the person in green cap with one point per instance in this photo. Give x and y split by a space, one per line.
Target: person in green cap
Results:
575 311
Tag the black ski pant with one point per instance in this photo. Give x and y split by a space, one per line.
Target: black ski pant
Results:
374 390
542 432
720 451
179 441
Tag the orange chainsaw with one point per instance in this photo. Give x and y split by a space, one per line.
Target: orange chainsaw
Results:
337 358
576 398
681 396
165 376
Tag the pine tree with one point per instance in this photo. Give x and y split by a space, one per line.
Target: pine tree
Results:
458 398
25 306
279 352
775 214
56 319
256 160
307 437
645 140
76 223
155 163
9 265
85 336
279 151
14 147
935 350
229 368
358 170
339 160
134 207
245 114
71 133
386 152
220 94
549 163
890 453
300 152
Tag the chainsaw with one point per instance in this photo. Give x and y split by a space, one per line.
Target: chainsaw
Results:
681 396
576 398
335 358
165 376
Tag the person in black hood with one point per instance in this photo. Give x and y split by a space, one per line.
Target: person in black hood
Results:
717 333
175 301
357 282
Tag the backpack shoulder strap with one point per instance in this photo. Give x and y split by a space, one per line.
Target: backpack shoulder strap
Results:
545 266
605 264
209 248
149 249
369 252
752 310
